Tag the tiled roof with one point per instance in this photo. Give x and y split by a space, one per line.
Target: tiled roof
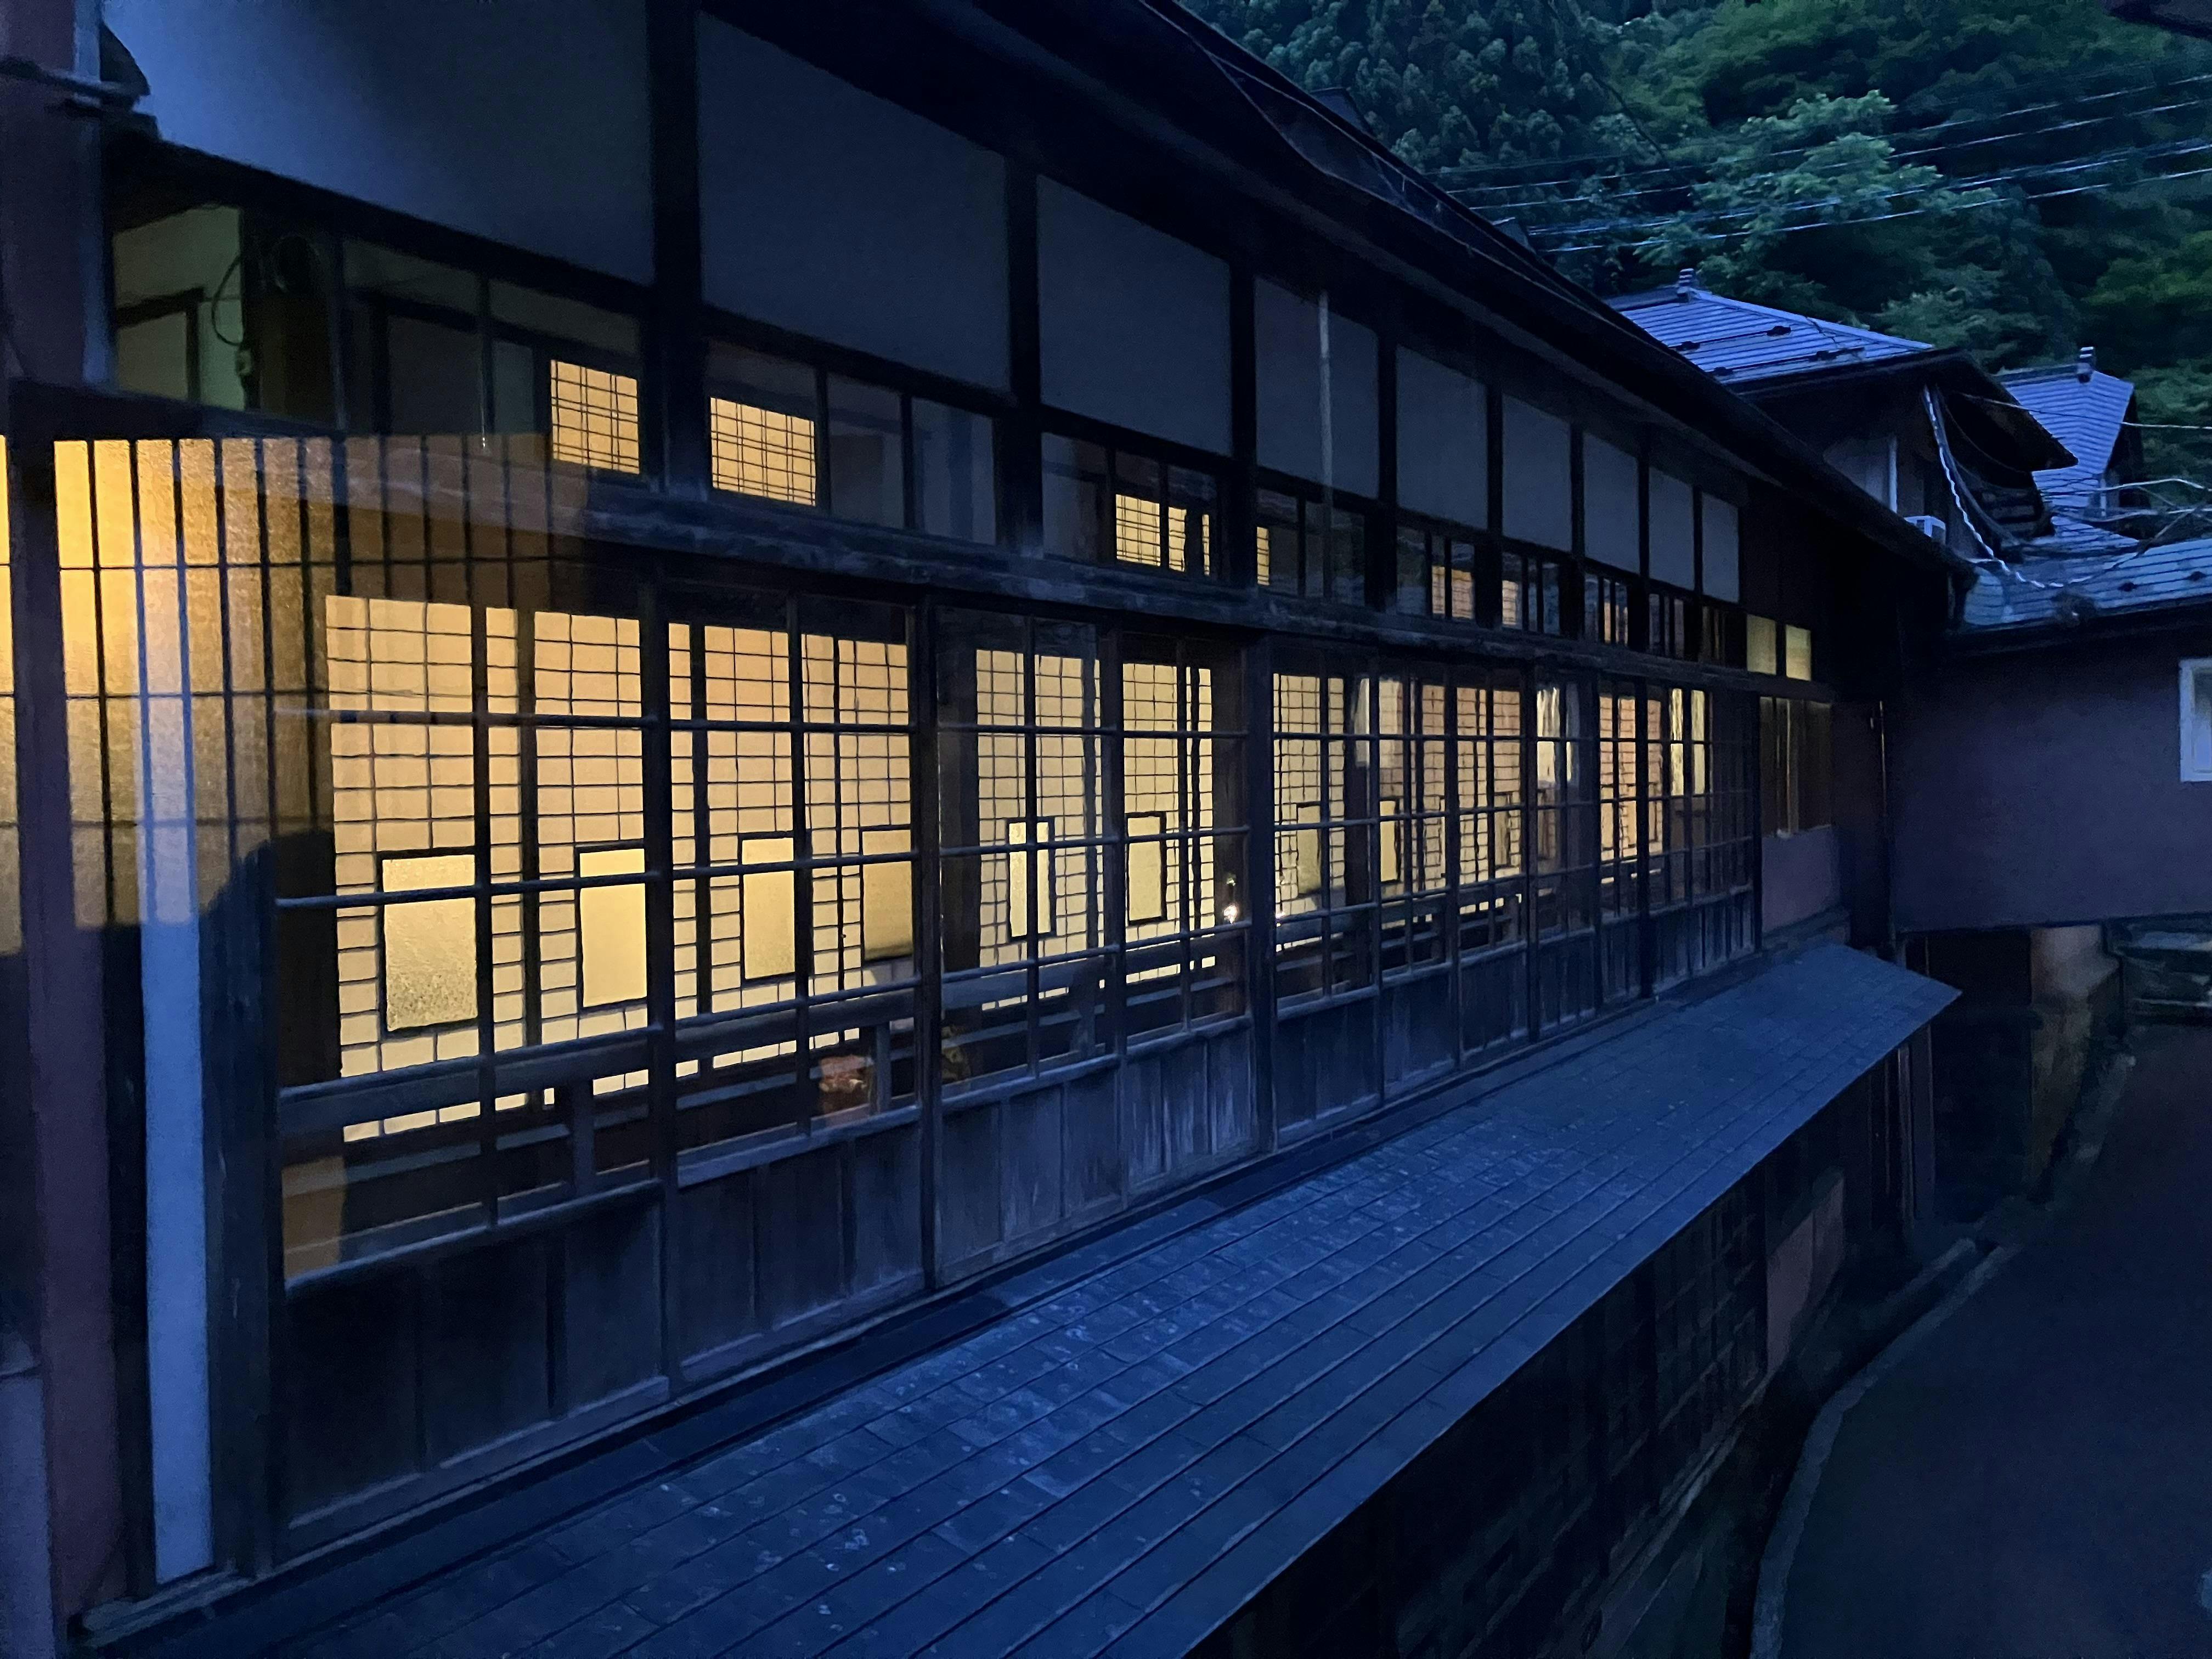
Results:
2038 592
1736 341
1132 1456
2086 415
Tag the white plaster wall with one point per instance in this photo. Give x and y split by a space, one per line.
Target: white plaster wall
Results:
1287 333
1443 442
525 121
1723 550
1539 495
830 212
1673 531
1612 525
1132 325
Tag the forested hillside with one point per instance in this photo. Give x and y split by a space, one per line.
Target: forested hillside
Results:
2018 177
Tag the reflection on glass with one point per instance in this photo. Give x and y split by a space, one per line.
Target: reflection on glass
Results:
956 488
867 463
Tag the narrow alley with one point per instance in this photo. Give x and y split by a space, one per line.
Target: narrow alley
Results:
2032 1480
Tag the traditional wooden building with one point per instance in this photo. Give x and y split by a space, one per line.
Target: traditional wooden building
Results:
935 744
2041 770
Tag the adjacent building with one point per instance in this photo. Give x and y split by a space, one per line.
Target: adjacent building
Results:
2042 773
943 724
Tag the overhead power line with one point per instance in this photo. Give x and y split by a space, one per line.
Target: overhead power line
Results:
2180 149
1923 131
1903 213
1523 202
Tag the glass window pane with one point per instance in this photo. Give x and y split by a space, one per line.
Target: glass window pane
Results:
762 426
867 465
434 377
1759 653
955 480
564 319
1192 505
594 417
1278 543
611 927
430 946
1075 487
1797 653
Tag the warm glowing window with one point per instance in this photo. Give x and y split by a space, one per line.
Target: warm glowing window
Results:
886 897
787 431
1108 506
1148 888
1529 593
430 944
594 417
1604 608
1797 653
1136 533
762 451
611 927
1760 652
1308 874
1029 878
1436 573
766 901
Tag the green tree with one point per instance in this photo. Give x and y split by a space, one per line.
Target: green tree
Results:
2174 403
1814 211
1445 83
2153 308
1916 165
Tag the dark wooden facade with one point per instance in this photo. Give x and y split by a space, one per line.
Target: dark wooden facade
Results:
1085 880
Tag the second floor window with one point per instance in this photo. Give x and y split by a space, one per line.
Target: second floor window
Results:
791 432
242 310
1437 573
1669 626
1311 546
1530 593
1605 609
1109 506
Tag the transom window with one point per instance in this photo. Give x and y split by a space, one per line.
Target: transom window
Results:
794 433
240 310
1312 545
1607 606
1531 593
1668 625
1105 505
1439 572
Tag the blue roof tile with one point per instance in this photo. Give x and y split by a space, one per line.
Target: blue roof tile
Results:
2038 592
1260 1396
2085 414
1736 341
